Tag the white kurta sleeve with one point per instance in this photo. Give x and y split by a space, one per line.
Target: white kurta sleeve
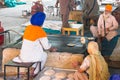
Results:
45 43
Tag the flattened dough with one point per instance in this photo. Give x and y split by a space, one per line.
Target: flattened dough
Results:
71 44
60 75
49 72
70 75
56 79
45 78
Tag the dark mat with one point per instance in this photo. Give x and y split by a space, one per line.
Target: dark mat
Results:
60 42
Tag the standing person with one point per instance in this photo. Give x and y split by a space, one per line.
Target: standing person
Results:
93 67
35 41
90 10
106 30
37 7
65 7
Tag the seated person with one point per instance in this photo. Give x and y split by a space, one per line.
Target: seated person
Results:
93 66
35 41
106 30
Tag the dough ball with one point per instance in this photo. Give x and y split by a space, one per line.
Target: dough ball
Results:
60 75
45 78
49 72
70 76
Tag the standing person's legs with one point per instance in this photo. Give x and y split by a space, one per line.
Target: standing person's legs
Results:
93 30
86 22
65 20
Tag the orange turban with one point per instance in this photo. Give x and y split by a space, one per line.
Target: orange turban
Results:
108 7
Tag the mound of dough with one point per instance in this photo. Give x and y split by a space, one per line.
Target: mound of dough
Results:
49 72
60 75
70 76
45 78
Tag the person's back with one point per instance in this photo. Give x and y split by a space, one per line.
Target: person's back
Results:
94 67
35 42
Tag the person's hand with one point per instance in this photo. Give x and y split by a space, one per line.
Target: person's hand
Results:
75 64
53 49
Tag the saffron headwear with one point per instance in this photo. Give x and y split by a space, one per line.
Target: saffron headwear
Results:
38 19
108 7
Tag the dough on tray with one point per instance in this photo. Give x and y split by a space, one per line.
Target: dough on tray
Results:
69 79
45 78
49 72
56 79
70 76
60 75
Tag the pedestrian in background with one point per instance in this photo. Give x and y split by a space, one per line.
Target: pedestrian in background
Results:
65 7
90 10
37 7
93 67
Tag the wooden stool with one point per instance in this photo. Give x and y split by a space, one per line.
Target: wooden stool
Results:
18 65
74 28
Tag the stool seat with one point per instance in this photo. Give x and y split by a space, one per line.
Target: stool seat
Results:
74 28
18 65
11 63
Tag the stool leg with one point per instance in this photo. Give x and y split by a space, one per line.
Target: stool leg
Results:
4 72
77 32
68 32
63 32
82 31
40 66
28 74
18 72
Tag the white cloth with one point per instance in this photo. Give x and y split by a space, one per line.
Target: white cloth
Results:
32 51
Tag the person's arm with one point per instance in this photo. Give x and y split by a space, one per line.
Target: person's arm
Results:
46 45
56 5
85 65
115 24
100 24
